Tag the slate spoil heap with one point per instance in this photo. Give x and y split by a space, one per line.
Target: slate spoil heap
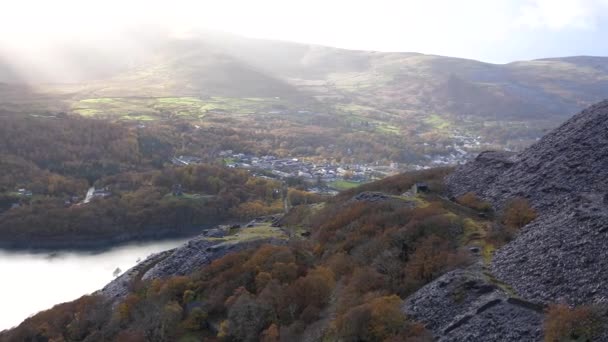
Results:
559 257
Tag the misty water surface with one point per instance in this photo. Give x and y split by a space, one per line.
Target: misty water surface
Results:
35 281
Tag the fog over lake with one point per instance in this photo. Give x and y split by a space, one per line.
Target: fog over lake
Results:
35 281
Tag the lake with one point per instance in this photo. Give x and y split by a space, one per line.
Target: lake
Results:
36 281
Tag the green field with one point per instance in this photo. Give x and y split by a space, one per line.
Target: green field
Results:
154 108
260 231
437 122
343 185
373 117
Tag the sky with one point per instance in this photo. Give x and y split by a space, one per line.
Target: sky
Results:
497 31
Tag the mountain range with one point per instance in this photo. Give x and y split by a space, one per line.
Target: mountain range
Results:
510 104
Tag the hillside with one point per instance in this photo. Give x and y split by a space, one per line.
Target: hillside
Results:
309 274
387 261
51 163
561 254
417 109
538 89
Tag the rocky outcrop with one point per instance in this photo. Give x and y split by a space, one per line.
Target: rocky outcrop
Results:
119 288
191 256
572 159
197 253
474 176
562 255
371 196
464 305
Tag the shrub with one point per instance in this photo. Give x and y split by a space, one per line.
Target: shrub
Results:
430 259
518 213
298 197
379 319
471 200
563 323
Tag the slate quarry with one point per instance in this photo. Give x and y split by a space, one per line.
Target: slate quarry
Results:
560 257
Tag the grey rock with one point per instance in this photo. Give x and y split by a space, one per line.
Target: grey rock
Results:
464 305
572 159
562 255
218 231
196 253
119 288
182 260
370 196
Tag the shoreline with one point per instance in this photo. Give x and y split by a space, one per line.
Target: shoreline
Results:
102 243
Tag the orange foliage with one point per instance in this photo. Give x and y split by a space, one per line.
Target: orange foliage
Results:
314 288
431 257
518 213
376 320
271 334
471 200
563 323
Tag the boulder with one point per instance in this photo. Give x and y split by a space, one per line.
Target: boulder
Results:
465 305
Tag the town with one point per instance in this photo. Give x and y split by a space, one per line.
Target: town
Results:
321 177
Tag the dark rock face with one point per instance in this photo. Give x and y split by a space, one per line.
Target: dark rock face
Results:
118 288
562 255
182 260
196 253
370 196
571 159
474 176
464 305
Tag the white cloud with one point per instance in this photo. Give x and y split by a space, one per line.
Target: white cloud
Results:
562 14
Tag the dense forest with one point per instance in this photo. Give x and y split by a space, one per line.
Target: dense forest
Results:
89 148
49 162
143 204
345 280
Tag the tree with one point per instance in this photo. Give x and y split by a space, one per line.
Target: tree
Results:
171 316
432 256
247 318
196 319
518 213
563 323
314 288
376 320
271 334
471 200
285 273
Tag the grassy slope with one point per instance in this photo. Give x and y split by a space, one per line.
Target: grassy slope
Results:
380 94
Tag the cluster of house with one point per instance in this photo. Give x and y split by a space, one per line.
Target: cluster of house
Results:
462 148
283 168
296 167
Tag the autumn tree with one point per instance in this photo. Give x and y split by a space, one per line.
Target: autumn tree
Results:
247 318
271 334
564 323
313 289
471 200
518 213
376 320
432 256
